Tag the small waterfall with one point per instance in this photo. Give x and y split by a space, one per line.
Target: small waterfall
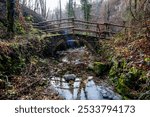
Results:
70 40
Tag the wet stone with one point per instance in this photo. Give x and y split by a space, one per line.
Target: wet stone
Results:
116 98
103 91
110 95
105 96
69 77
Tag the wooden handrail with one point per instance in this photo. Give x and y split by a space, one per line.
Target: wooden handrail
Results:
86 24
85 30
85 21
71 24
43 26
110 24
52 21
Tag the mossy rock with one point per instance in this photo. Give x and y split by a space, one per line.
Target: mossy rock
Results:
147 60
100 68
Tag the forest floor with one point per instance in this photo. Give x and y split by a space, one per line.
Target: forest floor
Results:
131 58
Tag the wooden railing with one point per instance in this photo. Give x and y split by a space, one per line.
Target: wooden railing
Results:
74 26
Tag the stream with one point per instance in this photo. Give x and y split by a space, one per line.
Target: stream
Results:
71 79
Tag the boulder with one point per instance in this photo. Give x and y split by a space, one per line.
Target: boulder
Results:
69 77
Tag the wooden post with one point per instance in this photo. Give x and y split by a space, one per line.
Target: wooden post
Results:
98 27
73 24
125 29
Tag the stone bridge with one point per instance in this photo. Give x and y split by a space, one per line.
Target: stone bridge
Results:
71 32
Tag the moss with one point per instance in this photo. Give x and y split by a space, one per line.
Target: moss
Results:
147 59
1 25
11 62
128 81
100 68
29 18
135 73
122 88
114 71
19 28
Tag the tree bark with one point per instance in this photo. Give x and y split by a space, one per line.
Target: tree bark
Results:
10 16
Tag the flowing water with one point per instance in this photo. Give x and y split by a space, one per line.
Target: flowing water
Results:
75 82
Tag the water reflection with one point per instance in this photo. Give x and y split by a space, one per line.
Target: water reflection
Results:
82 89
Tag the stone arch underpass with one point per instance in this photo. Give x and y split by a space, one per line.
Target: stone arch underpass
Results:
60 42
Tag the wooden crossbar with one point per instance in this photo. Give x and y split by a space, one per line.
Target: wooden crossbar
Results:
85 30
58 29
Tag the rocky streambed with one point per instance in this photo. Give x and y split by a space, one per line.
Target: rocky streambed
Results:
72 80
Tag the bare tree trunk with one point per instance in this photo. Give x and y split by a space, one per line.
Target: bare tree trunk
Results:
43 8
10 16
60 9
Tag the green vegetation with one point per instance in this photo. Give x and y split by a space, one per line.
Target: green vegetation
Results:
11 61
86 7
100 68
129 76
19 28
70 9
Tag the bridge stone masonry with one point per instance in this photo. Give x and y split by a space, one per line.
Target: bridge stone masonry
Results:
73 33
60 42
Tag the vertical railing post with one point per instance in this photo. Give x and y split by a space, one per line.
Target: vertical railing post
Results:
125 29
73 25
98 28
107 30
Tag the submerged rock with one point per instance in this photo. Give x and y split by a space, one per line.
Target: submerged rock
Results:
69 77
